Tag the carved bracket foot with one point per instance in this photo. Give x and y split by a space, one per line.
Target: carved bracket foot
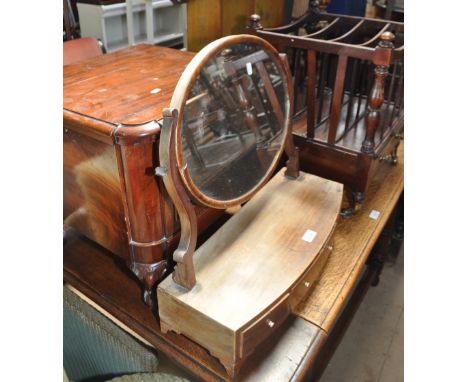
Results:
148 275
231 365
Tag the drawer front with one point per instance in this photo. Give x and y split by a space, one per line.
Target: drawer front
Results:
306 284
264 326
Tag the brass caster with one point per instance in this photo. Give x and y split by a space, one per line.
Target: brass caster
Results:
390 159
347 212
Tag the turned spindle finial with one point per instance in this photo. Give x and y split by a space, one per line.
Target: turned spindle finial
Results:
255 22
386 40
322 24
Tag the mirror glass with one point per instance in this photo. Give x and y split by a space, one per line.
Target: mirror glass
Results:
234 121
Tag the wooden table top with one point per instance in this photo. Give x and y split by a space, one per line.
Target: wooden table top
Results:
290 352
131 86
353 240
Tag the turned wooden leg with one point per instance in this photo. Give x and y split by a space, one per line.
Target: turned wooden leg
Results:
398 230
377 94
378 266
148 275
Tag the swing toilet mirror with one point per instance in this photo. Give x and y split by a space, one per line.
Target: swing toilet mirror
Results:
233 111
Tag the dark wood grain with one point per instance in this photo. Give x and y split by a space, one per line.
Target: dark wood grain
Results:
346 115
80 49
353 241
208 20
111 138
121 88
92 196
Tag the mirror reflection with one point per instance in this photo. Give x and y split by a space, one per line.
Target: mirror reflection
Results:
234 121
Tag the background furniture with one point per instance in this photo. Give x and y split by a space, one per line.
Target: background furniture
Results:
303 345
208 20
149 377
81 49
112 106
107 21
70 23
390 9
94 347
348 87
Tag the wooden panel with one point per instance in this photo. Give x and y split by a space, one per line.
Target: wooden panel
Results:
208 20
264 326
188 322
353 240
203 23
306 284
271 11
235 15
92 201
122 87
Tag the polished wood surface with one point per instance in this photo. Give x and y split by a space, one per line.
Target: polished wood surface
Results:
348 78
111 138
130 86
116 293
251 267
92 196
292 351
208 20
353 240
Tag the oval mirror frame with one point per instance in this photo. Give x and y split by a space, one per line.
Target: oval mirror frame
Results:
181 94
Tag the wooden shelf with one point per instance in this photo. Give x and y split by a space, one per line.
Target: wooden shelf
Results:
109 23
165 38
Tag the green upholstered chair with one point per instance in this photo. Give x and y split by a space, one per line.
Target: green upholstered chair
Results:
95 349
149 377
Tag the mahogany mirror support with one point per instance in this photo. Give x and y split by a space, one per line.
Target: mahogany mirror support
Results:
184 273
198 130
292 164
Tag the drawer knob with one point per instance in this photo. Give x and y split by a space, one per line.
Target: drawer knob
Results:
330 248
307 284
270 323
